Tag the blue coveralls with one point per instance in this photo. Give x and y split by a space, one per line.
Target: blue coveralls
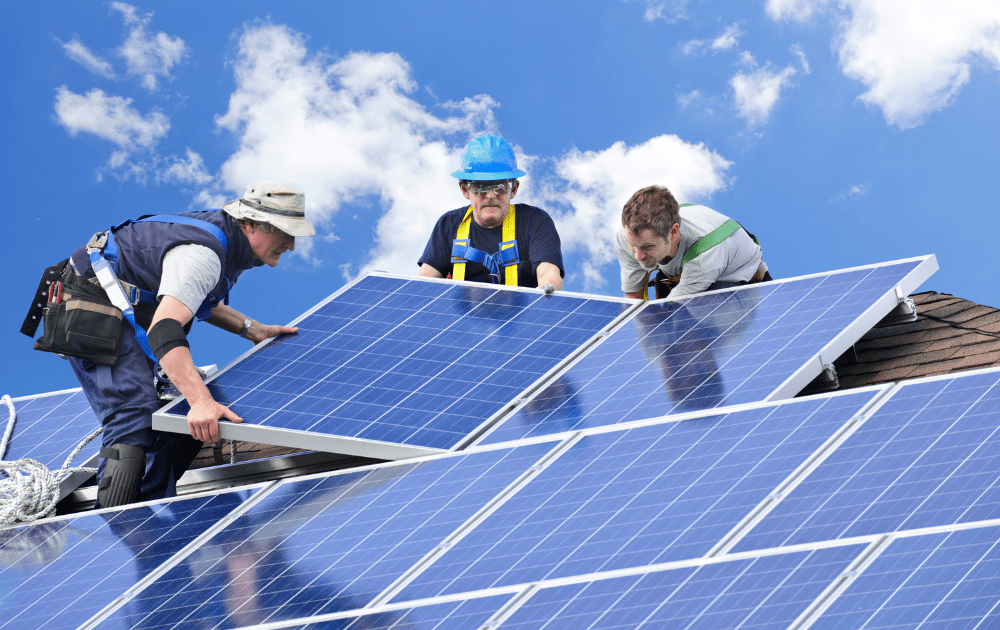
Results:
124 396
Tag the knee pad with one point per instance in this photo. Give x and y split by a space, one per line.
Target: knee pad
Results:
123 470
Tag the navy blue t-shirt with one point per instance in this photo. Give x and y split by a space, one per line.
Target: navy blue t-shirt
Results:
534 231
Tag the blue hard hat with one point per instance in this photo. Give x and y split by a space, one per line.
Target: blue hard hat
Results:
488 158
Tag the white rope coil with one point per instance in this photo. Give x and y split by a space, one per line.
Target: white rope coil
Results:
30 490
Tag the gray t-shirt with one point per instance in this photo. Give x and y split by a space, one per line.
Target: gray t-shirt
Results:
190 271
735 259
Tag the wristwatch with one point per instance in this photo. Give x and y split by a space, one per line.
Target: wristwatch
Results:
245 329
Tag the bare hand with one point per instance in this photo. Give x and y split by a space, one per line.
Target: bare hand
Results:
259 332
203 420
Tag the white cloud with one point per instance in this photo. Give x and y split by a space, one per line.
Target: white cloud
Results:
912 57
728 39
345 130
668 10
915 61
794 10
797 51
190 170
757 92
857 190
113 118
694 47
79 53
148 55
686 99
593 186
109 117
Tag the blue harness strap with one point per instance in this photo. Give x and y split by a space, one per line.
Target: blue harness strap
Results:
462 252
108 259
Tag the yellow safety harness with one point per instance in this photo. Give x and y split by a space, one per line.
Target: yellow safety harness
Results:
506 258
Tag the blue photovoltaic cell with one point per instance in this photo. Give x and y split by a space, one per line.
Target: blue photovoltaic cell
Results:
703 352
57 574
767 592
632 498
932 582
929 456
466 613
409 361
328 544
50 426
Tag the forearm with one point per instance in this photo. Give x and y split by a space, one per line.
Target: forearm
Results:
181 371
177 363
227 318
547 272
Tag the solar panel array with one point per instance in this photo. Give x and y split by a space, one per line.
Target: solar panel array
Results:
399 367
877 507
665 523
48 427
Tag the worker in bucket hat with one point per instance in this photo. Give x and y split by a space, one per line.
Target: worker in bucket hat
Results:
158 273
491 239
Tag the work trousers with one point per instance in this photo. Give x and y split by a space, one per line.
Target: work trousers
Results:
124 398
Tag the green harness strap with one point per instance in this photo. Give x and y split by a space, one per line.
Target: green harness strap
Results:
710 240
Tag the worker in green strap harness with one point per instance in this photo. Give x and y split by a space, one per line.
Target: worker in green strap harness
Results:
682 249
492 239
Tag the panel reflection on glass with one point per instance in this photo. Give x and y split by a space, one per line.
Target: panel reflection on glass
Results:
768 592
947 580
50 426
929 456
58 574
623 499
328 544
703 352
409 361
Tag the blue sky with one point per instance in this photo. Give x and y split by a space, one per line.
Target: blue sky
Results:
840 133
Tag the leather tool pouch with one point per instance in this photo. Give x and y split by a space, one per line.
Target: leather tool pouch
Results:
663 285
80 321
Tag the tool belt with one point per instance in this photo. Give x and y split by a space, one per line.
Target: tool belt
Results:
78 319
664 284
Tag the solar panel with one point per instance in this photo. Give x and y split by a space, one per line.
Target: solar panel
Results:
330 543
58 573
393 368
929 456
758 343
940 580
765 592
48 428
652 494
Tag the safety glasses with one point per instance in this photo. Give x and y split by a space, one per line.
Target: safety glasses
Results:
484 188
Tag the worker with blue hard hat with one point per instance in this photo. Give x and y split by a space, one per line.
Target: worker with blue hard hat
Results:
492 239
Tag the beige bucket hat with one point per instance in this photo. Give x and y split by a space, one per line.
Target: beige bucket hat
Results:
277 203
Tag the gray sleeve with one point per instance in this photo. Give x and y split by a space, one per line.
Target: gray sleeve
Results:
189 272
633 275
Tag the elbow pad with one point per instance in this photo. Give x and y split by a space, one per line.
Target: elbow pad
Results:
165 335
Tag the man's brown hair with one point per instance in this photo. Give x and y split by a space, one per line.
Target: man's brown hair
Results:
651 208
